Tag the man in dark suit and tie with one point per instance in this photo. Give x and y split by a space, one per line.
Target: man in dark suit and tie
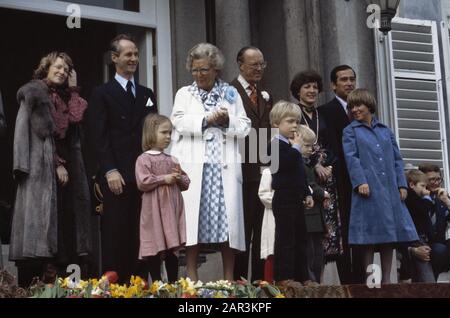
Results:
257 104
337 115
116 113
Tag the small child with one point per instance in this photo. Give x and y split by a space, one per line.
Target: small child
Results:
314 217
159 176
291 192
416 256
265 193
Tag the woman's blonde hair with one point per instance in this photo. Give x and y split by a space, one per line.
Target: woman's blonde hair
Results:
308 135
151 124
284 109
44 65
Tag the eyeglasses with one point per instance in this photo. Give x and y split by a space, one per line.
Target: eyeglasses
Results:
256 66
435 180
202 71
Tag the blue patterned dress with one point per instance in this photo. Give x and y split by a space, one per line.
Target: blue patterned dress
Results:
213 224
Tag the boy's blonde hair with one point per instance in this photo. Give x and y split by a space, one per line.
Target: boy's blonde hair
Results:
284 109
151 124
415 176
308 135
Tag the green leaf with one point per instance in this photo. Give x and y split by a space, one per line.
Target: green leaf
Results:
273 290
47 292
88 291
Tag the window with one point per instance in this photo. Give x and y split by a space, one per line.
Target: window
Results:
127 5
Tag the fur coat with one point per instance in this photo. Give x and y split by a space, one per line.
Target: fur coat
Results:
35 225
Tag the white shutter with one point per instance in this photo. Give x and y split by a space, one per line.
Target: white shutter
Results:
418 108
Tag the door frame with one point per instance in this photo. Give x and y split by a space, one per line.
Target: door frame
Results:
154 17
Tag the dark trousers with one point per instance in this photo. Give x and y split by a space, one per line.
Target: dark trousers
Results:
253 217
120 232
290 237
349 264
411 267
440 257
47 270
315 256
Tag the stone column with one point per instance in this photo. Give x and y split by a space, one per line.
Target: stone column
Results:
232 32
296 32
271 39
314 31
347 40
188 28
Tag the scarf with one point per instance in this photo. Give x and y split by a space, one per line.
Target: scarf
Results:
68 107
308 109
210 100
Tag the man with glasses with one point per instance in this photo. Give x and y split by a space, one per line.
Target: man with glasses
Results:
257 104
440 246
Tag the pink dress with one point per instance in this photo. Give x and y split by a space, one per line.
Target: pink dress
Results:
163 224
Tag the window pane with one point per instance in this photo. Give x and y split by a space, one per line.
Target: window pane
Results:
127 5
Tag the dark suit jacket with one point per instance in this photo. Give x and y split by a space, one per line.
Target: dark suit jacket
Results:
420 208
116 127
2 118
289 175
260 120
336 120
440 227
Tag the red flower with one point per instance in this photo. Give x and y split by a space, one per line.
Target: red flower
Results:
112 277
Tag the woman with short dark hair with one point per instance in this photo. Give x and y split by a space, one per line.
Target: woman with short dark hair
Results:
306 87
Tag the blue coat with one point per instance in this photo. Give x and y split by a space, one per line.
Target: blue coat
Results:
372 156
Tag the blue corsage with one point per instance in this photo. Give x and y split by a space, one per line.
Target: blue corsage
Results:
231 94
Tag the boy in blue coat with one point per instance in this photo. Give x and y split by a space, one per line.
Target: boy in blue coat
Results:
291 192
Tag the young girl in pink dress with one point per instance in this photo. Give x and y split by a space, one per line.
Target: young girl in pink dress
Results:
160 178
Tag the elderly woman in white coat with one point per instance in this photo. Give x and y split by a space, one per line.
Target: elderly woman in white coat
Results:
208 118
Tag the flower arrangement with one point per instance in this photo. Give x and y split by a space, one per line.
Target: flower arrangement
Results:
138 288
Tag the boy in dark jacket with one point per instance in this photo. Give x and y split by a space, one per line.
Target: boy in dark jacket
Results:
314 217
416 257
291 192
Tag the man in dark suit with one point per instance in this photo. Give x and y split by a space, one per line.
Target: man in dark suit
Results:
116 113
257 104
343 81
